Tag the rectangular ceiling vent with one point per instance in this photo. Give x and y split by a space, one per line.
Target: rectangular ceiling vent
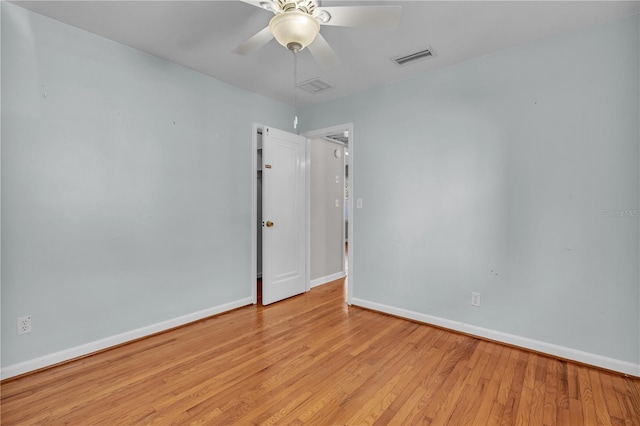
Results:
414 57
315 86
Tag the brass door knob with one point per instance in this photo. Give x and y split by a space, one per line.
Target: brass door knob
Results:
269 224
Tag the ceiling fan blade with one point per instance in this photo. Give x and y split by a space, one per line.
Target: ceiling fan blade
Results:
255 43
255 3
383 17
267 5
323 53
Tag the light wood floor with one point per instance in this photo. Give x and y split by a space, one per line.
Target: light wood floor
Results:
312 360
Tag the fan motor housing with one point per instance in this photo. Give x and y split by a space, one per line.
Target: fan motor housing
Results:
306 6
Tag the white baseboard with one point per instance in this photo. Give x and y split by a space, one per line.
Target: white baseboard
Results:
548 348
523 342
327 279
98 345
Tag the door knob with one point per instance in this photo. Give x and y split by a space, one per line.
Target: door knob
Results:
269 224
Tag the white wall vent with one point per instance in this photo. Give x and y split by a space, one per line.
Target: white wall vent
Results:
414 57
315 86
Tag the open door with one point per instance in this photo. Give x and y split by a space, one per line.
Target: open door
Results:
283 215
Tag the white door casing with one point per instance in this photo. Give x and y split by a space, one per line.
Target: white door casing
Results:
283 215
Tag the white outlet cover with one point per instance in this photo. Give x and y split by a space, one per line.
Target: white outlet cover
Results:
24 325
475 299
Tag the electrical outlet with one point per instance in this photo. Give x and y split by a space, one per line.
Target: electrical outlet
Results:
24 325
475 299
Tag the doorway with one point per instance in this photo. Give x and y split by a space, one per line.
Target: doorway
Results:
327 219
332 190
342 138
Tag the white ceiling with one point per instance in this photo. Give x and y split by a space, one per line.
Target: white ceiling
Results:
201 35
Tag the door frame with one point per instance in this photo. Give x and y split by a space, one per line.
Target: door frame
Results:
313 134
254 204
254 210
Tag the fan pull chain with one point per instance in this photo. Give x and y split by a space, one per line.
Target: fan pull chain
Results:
295 89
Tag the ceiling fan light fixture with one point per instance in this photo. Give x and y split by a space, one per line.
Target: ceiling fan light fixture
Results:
294 30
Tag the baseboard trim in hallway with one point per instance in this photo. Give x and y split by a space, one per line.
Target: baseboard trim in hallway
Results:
327 279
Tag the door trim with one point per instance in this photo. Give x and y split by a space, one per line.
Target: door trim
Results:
349 161
254 211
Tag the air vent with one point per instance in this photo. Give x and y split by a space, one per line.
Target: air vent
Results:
414 57
315 86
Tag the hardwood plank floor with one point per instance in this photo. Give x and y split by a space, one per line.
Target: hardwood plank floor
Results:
313 360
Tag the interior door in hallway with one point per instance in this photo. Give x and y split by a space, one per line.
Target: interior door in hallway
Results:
283 215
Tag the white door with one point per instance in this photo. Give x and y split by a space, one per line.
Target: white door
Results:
283 215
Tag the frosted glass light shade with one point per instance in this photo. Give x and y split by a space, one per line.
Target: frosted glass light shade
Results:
294 30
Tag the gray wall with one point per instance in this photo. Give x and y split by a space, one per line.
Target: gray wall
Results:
326 218
506 175
126 187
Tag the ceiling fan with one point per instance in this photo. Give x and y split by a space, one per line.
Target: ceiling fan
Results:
296 25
